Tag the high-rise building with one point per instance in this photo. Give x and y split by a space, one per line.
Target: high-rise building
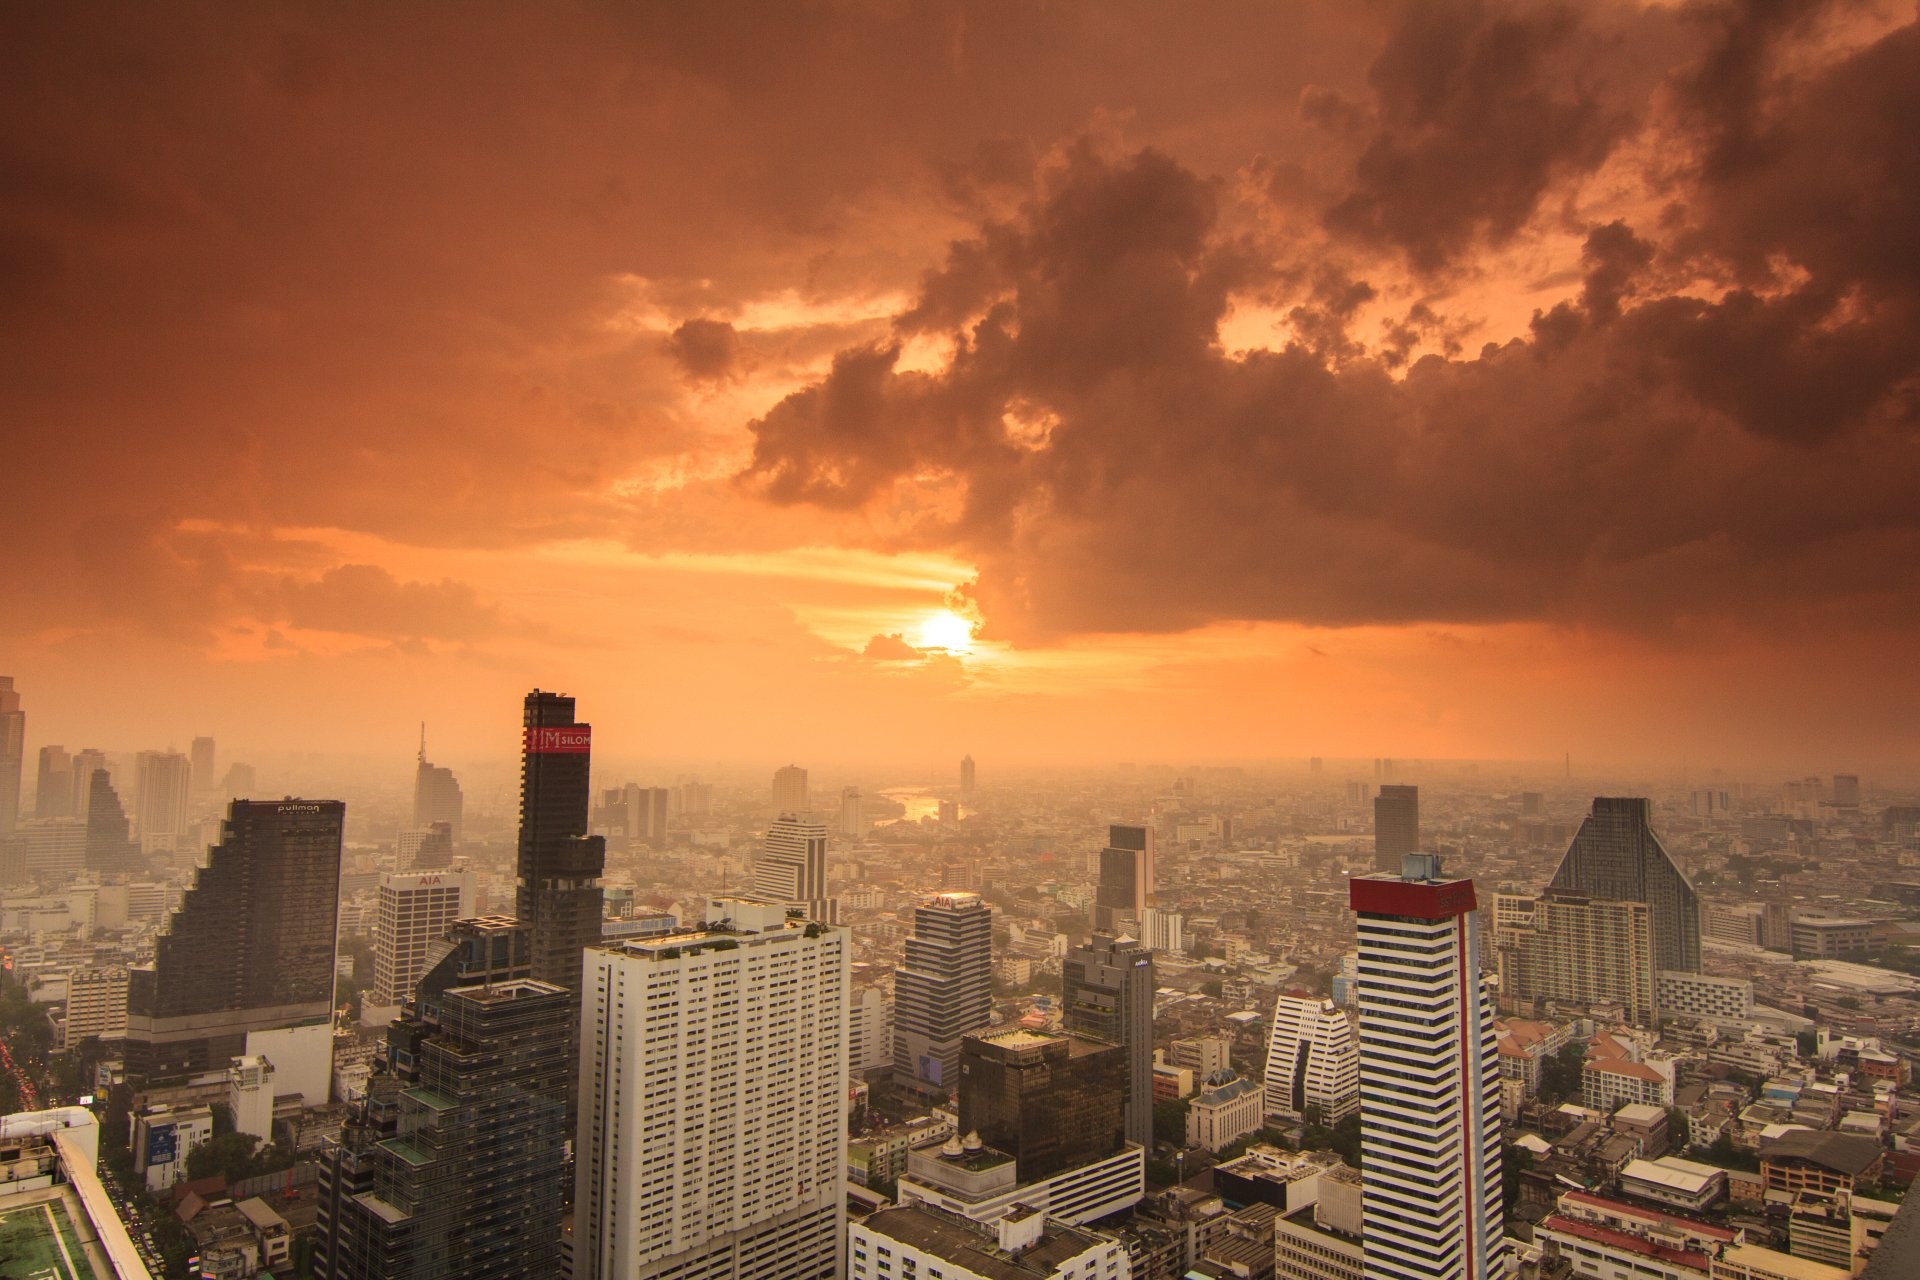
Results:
1396 826
96 1005
239 782
201 778
161 810
251 946
55 848
436 794
557 889
1106 993
413 913
453 1164
853 820
790 789
713 1077
1429 1080
1051 1102
1846 791
1581 951
1616 856
80 769
792 867
430 849
53 788
13 751
942 992
1312 1060
632 817
966 778
1125 890
1165 930
110 843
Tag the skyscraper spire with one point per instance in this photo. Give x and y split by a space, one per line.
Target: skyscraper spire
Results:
423 742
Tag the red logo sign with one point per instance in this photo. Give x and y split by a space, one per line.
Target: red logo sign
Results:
574 739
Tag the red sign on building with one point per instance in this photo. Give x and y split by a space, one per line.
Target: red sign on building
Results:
567 740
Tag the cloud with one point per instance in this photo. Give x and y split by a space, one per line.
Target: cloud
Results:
891 648
367 600
707 350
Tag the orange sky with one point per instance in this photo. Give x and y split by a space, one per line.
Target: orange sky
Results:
1236 382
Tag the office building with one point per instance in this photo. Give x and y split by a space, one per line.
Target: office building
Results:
1203 1055
239 783
436 794
80 770
790 790
1225 1109
713 1077
1106 993
53 787
412 914
1165 930
1701 998
110 843
557 886
427 849
870 1031
791 869
1752 924
632 817
1313 1060
1616 856
1576 950
1817 937
1396 826
55 849
919 1240
13 752
1846 791
251 946
942 992
453 1164
1052 1102
1125 890
161 802
96 1005
201 779
967 778
853 818
1429 1079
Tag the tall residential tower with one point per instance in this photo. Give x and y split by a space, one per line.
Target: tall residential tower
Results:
942 992
1616 856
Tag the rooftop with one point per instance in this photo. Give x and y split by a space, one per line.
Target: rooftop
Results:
1625 1242
1848 1153
970 1245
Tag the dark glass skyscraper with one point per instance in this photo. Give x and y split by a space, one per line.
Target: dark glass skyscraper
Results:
436 794
1106 993
13 750
1051 1102
110 844
251 947
557 886
454 1165
1396 826
1616 856
1126 878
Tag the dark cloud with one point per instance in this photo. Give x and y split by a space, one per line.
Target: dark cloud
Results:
367 600
706 350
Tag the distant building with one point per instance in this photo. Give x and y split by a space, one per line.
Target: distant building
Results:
429 849
1313 1060
13 750
96 1005
200 778
1832 937
1396 826
1202 1055
791 869
1126 879
251 946
1846 791
966 778
1107 994
413 913
436 794
1615 856
110 843
853 820
942 992
1575 949
53 789
790 793
161 801
1225 1109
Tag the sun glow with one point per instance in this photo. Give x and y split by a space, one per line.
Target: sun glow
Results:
946 630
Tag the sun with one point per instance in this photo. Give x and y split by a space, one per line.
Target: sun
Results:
946 630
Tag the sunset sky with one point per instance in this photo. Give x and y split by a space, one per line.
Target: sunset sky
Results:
1051 381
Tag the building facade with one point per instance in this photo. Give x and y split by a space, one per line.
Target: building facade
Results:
1582 951
942 992
1051 1102
1616 856
557 886
1106 993
411 916
1396 826
1313 1060
791 869
1125 890
1429 1080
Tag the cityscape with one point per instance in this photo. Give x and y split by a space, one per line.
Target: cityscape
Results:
960 640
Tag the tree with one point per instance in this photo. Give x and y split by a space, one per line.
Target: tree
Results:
1212 987
1170 1122
1514 1161
226 1154
1679 1130
1560 1075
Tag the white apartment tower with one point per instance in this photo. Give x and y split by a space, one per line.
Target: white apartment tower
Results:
412 915
942 992
790 789
713 1076
792 867
1429 1080
1312 1060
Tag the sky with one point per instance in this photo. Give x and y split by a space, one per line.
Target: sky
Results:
1059 382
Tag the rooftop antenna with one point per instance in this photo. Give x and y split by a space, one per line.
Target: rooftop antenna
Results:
423 742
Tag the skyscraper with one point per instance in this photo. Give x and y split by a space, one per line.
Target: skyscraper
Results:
853 820
453 1164
792 867
713 1076
1126 879
1396 826
81 767
110 843
252 945
412 913
942 992
13 750
161 801
1051 1102
202 779
436 794
430 849
1616 856
966 778
1312 1060
790 789
1106 993
557 889
1580 950
53 788
1429 1080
